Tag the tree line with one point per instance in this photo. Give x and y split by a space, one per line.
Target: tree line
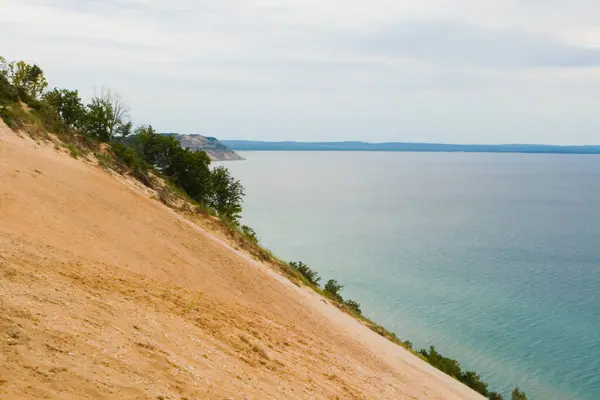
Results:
106 119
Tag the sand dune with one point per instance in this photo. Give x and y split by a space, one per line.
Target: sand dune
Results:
105 293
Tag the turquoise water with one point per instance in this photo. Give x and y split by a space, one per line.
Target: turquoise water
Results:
494 258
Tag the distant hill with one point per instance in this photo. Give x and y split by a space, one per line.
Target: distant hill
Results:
215 149
399 146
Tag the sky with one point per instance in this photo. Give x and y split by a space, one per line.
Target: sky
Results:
446 71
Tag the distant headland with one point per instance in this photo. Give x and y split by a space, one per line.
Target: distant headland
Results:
215 149
247 145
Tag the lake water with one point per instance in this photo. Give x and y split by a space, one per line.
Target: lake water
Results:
494 258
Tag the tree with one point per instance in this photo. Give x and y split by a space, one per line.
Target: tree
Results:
8 93
473 380
307 272
28 78
518 395
190 170
108 117
447 365
227 194
495 396
249 233
119 124
334 288
354 306
4 68
68 106
97 119
187 169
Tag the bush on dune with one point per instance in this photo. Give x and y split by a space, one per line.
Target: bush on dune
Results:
306 272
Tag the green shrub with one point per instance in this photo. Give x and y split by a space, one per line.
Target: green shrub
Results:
353 306
333 288
105 160
67 105
5 115
249 233
128 156
8 94
226 193
73 151
473 380
518 395
447 365
306 272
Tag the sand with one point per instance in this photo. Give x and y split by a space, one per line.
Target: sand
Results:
105 293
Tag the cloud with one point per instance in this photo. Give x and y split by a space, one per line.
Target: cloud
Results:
455 43
438 70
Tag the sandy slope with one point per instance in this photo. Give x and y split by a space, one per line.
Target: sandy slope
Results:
106 293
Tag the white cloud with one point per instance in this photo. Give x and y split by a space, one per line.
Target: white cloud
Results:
429 70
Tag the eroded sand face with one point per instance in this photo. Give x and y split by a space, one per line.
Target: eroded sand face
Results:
106 293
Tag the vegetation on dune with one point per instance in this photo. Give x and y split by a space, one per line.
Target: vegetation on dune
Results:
518 395
25 104
103 126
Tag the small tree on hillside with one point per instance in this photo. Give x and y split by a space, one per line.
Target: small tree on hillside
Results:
307 272
98 117
68 106
108 117
334 288
354 306
518 395
119 124
3 67
227 194
473 380
28 78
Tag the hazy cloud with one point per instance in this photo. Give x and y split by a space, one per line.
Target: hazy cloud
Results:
468 45
431 70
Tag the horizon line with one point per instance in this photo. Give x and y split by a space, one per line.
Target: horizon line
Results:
405 142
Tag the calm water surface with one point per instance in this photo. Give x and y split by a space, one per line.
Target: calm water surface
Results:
494 258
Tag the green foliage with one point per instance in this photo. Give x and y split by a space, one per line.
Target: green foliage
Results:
105 160
27 78
470 378
473 380
98 118
4 69
518 395
73 150
107 117
227 194
5 116
190 170
128 156
444 364
16 117
68 105
306 272
8 94
353 306
249 233
333 288
187 169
